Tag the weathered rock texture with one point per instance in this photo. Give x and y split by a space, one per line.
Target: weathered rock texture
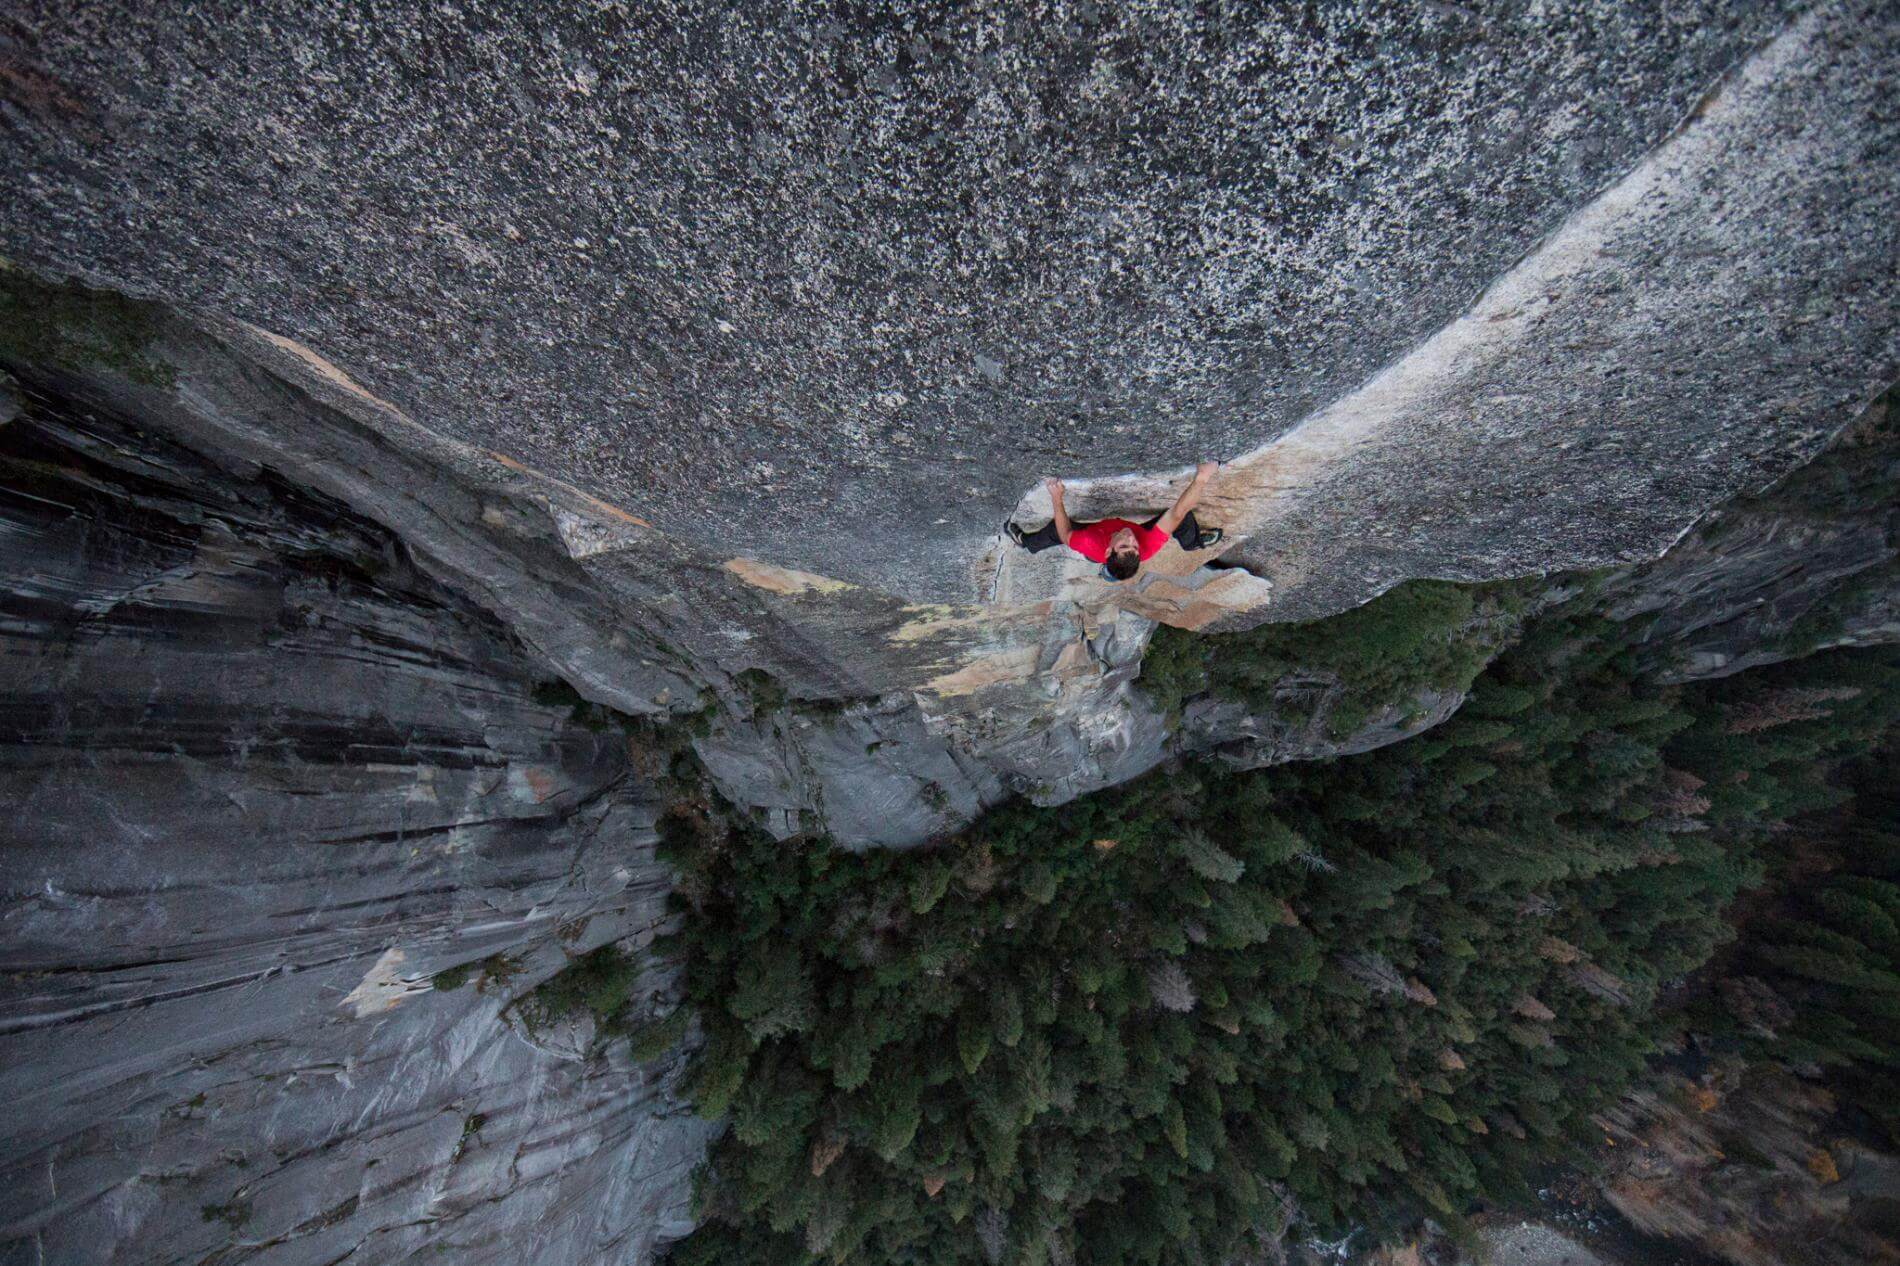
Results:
1809 564
1300 724
828 298
262 779
1749 1165
985 702
1700 328
832 294
696 360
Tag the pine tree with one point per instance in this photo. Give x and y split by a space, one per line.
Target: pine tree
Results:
1370 989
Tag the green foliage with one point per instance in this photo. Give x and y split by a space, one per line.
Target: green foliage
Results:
1818 980
1208 860
1424 634
656 1039
497 971
471 1129
68 326
452 977
583 712
233 1214
1174 667
599 982
772 993
1028 1046
927 886
765 691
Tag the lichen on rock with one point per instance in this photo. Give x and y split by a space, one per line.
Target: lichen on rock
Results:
427 441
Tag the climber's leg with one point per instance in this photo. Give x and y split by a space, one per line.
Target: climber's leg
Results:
1191 535
1037 541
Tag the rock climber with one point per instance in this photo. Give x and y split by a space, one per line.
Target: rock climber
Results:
1118 545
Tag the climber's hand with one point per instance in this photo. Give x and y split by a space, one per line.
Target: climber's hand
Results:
1206 471
1055 488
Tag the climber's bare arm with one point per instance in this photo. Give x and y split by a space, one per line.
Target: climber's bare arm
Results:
1190 498
1061 513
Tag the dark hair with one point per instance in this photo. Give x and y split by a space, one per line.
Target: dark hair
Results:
1122 563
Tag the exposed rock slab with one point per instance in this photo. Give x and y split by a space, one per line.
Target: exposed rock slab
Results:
640 601
263 780
833 293
1701 328
1809 564
1026 699
1300 725
653 356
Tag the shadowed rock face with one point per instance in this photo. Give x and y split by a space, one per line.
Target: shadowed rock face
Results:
263 779
911 718
1750 1166
696 361
1810 563
1701 326
270 776
831 293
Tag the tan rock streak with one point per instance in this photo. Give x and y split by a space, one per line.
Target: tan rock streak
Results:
1563 420
783 580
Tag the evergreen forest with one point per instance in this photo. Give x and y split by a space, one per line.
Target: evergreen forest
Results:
1186 1019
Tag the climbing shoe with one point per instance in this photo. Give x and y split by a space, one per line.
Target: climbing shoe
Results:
1015 533
1210 537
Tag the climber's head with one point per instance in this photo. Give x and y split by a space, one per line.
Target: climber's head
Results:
1124 556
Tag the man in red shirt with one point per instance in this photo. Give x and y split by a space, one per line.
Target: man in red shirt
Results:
1118 545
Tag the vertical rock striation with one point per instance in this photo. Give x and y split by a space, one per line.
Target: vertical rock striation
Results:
695 363
263 779
1813 562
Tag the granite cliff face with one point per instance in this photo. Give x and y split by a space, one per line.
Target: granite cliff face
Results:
729 268
417 361
266 778
1805 565
723 265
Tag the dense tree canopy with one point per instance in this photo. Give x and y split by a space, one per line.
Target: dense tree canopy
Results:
1158 1023
1817 979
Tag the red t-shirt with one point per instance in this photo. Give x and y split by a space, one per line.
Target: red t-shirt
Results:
1091 542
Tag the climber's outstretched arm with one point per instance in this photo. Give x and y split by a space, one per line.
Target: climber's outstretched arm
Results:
1060 513
1187 500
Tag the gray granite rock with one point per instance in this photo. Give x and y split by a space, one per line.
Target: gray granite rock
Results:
1812 563
1300 725
263 779
594 361
1699 329
872 773
696 360
832 292
1032 699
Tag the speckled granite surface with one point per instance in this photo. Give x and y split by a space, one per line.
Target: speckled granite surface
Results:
746 273
790 314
